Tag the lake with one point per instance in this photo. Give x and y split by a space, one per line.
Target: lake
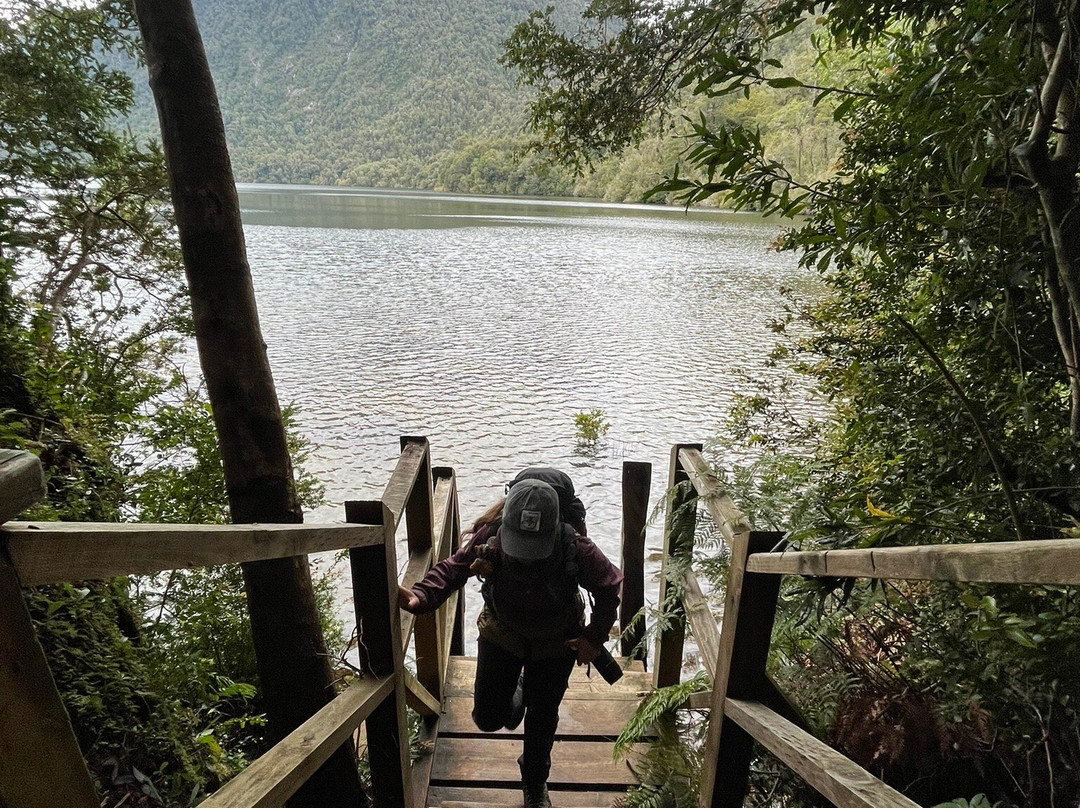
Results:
486 324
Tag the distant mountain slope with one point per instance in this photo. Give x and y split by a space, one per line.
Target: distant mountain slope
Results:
365 92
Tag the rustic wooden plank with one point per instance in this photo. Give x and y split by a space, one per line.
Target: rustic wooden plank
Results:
418 697
51 552
427 738
374 580
457 634
22 483
578 718
510 797
729 519
749 611
447 615
510 800
420 532
416 569
636 480
396 494
461 673
1052 562
445 499
679 527
494 760
271 779
445 494
42 766
702 622
839 779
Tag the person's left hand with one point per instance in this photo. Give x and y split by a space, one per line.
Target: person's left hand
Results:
586 651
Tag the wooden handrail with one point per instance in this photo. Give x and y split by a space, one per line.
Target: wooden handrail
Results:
1050 562
445 493
399 488
42 553
275 776
636 480
51 552
845 783
22 483
728 519
745 705
702 622
418 697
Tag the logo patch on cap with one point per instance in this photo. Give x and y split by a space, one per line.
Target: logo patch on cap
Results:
530 521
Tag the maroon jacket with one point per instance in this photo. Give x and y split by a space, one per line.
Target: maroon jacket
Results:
596 574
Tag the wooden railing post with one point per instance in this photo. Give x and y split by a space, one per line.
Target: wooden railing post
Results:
41 765
374 576
679 525
457 634
749 611
636 480
446 533
419 525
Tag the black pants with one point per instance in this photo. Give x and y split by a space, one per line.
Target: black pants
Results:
497 673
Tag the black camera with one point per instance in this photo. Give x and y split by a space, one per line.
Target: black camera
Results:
607 667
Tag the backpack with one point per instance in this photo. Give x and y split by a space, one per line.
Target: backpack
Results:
539 602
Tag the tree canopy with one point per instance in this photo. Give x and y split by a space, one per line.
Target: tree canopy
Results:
943 344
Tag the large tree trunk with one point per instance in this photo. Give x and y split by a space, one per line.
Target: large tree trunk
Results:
1050 157
294 669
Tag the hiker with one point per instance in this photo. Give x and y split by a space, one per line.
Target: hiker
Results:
531 553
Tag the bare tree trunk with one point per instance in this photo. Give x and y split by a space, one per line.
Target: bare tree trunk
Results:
294 669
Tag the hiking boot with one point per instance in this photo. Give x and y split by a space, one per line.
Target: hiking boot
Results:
536 795
517 705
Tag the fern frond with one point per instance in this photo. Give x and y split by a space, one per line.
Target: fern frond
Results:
653 707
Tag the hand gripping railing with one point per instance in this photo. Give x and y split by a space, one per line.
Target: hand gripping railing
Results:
42 765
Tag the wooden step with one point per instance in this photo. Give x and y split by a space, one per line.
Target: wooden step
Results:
509 802
493 761
596 719
457 797
635 682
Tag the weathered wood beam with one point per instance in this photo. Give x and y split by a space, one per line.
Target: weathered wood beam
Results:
396 494
729 520
274 777
418 697
41 765
445 492
679 526
636 481
702 622
419 564
375 599
749 611
1050 562
51 552
843 782
22 483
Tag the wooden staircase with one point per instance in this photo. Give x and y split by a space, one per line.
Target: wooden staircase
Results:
469 768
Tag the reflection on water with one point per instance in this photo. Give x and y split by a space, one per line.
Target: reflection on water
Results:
486 324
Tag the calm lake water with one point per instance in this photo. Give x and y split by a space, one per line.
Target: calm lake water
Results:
486 324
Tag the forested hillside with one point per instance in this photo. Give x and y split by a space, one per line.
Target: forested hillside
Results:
360 92
412 95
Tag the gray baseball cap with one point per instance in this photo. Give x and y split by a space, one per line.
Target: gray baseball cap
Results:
530 520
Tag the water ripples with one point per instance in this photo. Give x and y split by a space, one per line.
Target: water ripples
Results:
487 325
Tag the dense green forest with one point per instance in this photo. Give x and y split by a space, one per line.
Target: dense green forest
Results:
158 674
414 95
945 343
369 93
926 159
